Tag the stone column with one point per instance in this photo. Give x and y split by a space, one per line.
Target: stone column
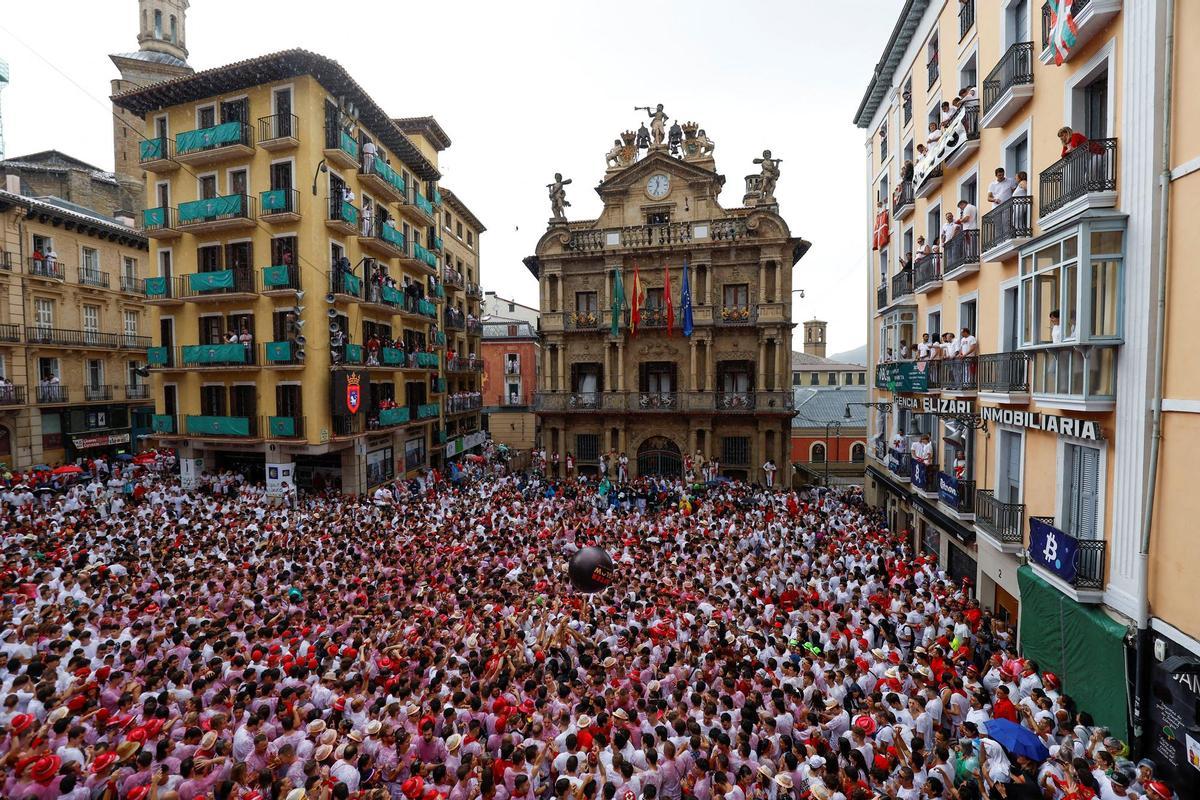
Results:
762 284
561 306
779 287
783 371
762 365
710 360
563 384
695 378
620 366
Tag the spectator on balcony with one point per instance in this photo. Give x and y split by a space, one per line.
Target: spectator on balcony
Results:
906 171
946 113
905 350
949 345
373 347
935 133
968 95
922 450
924 348
769 469
1055 327
51 260
968 216
900 443
1021 210
1071 140
923 248
369 155
1001 189
960 465
347 193
950 228
247 340
368 212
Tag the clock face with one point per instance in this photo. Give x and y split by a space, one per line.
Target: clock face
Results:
658 186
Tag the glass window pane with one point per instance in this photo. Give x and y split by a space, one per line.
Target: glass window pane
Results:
1070 248
1062 369
1106 242
1048 256
1026 265
1106 290
1102 373
1070 296
1028 312
1047 304
1077 364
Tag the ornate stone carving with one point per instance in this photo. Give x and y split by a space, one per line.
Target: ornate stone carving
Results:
768 177
658 123
558 198
658 349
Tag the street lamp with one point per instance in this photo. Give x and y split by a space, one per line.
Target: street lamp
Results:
880 408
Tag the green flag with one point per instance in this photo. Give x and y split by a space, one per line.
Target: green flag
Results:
618 301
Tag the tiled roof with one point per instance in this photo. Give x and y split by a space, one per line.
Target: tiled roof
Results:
57 207
274 67
455 202
428 127
151 56
816 407
807 361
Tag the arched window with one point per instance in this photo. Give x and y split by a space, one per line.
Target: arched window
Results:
817 453
157 24
174 30
858 453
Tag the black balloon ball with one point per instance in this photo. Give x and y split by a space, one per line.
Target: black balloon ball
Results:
591 570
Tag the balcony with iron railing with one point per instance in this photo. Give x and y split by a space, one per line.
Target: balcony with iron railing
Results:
1081 572
222 284
233 139
376 174
881 297
925 479
966 18
343 216
344 426
212 426
341 148
10 332
48 268
1085 178
9 262
161 222
673 234
957 495
736 314
95 393
12 395
286 427
157 155
903 201
927 272
381 238
1003 523
959 376
131 284
211 214
474 327
1004 377
902 286
900 464
45 336
1008 86
463 405
278 131
345 285
280 280
137 391
279 206
1006 227
51 393
768 402
961 255
1090 18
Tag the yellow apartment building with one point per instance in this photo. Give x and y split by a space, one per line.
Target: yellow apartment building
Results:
1018 451
295 275
73 332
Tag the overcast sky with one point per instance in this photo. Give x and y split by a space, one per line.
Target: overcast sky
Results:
526 89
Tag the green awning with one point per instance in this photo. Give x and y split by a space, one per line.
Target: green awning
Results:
276 276
206 138
282 426
279 351
211 208
1081 644
156 287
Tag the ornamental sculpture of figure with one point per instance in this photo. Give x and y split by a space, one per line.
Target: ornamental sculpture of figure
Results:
706 144
675 138
770 176
658 122
614 155
558 197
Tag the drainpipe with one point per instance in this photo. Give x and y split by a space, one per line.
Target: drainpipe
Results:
1142 680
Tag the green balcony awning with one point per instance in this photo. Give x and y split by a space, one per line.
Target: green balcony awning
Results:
158 356
393 416
351 284
214 354
427 359
282 426
152 149
207 138
156 287
276 276
354 353
219 426
427 308
162 423
384 170
393 295
424 204
348 143
210 208
211 281
427 410
154 217
389 234
393 356
279 351
276 200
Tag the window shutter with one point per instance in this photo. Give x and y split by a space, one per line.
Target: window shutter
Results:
1089 480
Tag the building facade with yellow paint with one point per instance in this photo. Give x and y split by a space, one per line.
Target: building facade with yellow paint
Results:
1039 409
295 275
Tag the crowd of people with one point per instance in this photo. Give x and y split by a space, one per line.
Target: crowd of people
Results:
425 644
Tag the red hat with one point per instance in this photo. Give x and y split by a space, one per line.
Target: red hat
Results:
894 656
102 715
20 722
45 768
865 723
138 792
103 762
412 788
881 762
1159 789
256 655
527 707
339 704
152 727
1050 680
103 673
76 703
312 663
252 795
82 673
137 734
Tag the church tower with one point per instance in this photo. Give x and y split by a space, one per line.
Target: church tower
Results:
814 338
161 55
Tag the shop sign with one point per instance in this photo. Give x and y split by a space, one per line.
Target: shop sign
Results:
936 405
1053 550
1051 423
104 440
904 376
278 475
1174 743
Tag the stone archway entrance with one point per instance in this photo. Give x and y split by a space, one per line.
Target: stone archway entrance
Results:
658 455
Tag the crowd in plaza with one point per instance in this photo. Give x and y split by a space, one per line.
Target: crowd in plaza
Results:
423 643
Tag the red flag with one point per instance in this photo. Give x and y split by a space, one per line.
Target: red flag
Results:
635 313
667 299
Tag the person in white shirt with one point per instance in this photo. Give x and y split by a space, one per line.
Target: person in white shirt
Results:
968 216
1055 327
923 347
968 345
949 229
1001 189
949 345
769 470
922 450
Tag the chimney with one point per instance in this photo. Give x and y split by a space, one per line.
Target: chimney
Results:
814 338
12 184
125 218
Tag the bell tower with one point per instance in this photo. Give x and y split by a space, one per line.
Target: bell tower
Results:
814 338
161 55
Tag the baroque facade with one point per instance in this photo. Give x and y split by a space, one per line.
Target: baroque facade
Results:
645 390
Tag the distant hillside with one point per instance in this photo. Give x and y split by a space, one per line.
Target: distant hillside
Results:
856 356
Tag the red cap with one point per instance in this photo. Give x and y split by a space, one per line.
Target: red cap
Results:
103 762
138 792
412 788
1159 789
45 768
339 704
20 722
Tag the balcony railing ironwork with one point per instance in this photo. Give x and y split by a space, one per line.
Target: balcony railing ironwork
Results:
646 236
1077 9
278 202
12 395
964 502
216 209
734 401
962 251
276 127
1007 222
63 337
1003 372
96 393
1015 68
133 284
881 296
219 282
137 391
46 268
1091 167
903 197
902 284
927 269
227 134
966 18
959 374
94 278
1091 557
52 393
1004 522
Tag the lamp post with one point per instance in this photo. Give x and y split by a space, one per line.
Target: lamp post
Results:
880 408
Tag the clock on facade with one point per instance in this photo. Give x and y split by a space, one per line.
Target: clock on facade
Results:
658 186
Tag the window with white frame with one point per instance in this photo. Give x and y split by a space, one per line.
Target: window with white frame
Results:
1071 288
43 312
91 318
132 377
90 263
1080 491
95 372
129 269
131 323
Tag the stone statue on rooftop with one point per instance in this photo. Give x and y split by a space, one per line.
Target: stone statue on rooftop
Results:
769 177
558 197
658 122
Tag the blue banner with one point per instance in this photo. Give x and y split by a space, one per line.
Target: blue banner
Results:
919 476
948 489
893 461
685 301
1053 550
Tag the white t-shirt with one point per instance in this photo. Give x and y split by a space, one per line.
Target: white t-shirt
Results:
921 451
970 218
1002 190
967 344
949 231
